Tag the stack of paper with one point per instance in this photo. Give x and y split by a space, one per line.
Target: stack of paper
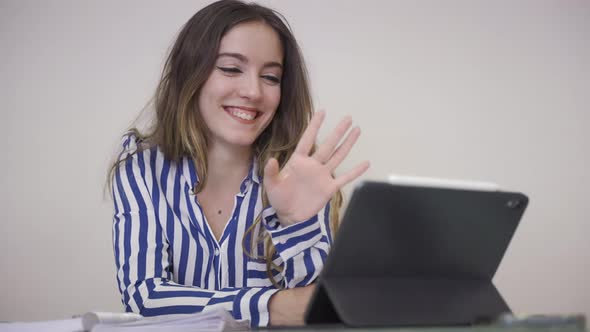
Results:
214 321
61 325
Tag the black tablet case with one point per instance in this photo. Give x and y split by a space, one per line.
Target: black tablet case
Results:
412 256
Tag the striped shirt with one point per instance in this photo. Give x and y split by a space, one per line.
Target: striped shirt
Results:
168 260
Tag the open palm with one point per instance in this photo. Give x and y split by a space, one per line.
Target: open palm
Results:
305 184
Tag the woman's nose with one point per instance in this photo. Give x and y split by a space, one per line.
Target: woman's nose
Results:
250 87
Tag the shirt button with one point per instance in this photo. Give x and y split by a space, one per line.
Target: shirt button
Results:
282 241
216 252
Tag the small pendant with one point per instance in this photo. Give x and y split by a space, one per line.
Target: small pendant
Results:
219 212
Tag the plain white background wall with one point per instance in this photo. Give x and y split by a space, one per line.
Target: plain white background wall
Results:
487 90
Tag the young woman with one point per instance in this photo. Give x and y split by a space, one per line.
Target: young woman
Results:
225 201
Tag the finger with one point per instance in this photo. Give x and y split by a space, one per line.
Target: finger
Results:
347 177
271 171
309 135
327 148
344 148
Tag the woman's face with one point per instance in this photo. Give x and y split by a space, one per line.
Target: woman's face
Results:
240 97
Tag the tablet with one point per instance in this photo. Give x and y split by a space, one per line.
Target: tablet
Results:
410 254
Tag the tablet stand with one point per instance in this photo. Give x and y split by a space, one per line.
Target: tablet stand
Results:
405 302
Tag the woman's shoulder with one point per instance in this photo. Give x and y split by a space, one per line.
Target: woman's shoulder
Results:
140 158
133 144
141 152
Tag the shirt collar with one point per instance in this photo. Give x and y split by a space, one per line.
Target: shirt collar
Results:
251 177
253 172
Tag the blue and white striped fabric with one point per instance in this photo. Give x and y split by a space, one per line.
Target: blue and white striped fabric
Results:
169 262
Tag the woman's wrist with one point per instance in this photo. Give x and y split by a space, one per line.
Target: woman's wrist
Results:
287 307
277 308
284 220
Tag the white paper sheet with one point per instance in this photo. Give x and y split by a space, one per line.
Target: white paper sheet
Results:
63 325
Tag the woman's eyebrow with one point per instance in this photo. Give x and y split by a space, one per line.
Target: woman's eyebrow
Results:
244 59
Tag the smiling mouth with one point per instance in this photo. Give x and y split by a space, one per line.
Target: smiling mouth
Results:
242 113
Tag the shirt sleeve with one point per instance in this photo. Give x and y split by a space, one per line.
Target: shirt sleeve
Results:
144 269
302 246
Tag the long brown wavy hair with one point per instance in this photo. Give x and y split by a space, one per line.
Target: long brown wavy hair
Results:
178 128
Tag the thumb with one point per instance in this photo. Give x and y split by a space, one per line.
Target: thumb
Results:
271 170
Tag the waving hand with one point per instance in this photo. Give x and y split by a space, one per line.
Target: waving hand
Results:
305 184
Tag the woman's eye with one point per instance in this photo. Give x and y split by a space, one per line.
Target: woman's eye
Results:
272 79
231 70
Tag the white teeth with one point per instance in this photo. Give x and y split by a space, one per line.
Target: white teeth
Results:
242 115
